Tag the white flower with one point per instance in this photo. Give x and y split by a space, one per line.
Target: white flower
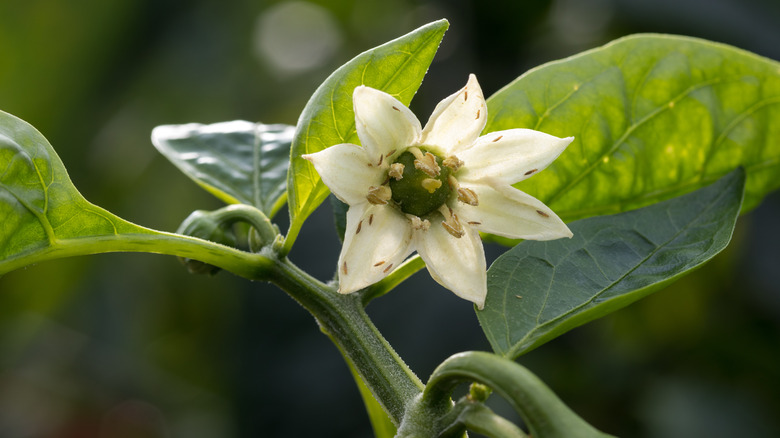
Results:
432 189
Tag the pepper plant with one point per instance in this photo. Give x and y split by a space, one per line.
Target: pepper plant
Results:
622 168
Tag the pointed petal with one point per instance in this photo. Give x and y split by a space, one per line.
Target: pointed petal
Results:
510 156
456 263
506 211
344 168
383 123
378 238
458 120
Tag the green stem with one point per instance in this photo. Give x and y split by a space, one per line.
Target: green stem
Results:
546 415
343 319
476 417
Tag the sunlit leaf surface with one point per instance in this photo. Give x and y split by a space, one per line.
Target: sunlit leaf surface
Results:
396 67
539 290
43 216
237 161
653 116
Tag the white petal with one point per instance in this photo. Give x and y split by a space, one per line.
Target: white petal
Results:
378 238
458 120
456 263
383 123
345 169
510 156
506 211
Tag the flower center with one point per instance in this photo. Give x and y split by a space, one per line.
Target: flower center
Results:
423 186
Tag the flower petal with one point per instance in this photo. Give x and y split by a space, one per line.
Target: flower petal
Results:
383 123
456 263
378 238
510 156
345 169
458 120
506 211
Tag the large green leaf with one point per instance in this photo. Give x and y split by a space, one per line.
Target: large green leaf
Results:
539 290
396 67
653 116
238 161
43 216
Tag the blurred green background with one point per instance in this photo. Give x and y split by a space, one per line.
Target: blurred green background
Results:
130 345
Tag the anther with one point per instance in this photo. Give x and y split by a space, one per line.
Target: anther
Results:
428 164
396 171
379 263
465 96
371 219
475 118
390 153
453 163
530 172
360 225
388 268
379 195
381 157
430 184
468 196
451 222
396 109
497 138
344 268
474 223
419 224
542 214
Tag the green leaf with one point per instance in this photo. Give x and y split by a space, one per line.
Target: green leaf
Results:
43 216
653 116
396 67
238 161
339 216
539 290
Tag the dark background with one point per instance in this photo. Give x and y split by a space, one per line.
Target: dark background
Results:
122 345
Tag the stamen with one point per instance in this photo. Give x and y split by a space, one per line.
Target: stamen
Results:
451 222
396 171
360 225
419 224
371 219
379 195
474 223
466 95
453 182
452 162
498 138
530 172
389 267
427 164
381 157
542 214
344 268
468 196
390 153
430 184
396 109
475 118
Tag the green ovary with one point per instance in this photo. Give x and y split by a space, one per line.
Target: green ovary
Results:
409 193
